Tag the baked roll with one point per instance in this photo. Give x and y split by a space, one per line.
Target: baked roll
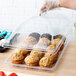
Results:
17 58
46 62
31 60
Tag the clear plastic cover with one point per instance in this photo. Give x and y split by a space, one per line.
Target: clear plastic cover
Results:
40 44
42 24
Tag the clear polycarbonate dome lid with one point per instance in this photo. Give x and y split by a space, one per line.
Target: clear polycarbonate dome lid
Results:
51 24
34 24
44 37
46 24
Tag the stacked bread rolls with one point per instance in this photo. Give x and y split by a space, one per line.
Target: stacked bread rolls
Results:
52 54
44 51
21 53
36 53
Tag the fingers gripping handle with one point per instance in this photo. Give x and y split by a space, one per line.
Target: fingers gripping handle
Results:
48 5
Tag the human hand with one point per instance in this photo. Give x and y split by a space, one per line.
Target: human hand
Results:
48 5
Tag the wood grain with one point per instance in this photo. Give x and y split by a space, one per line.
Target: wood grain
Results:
66 67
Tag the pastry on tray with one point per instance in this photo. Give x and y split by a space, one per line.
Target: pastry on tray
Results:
46 62
31 60
54 57
17 58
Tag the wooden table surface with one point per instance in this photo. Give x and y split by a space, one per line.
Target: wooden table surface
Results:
66 66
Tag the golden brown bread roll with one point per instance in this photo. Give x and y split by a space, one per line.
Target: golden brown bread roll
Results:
17 58
46 62
31 60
